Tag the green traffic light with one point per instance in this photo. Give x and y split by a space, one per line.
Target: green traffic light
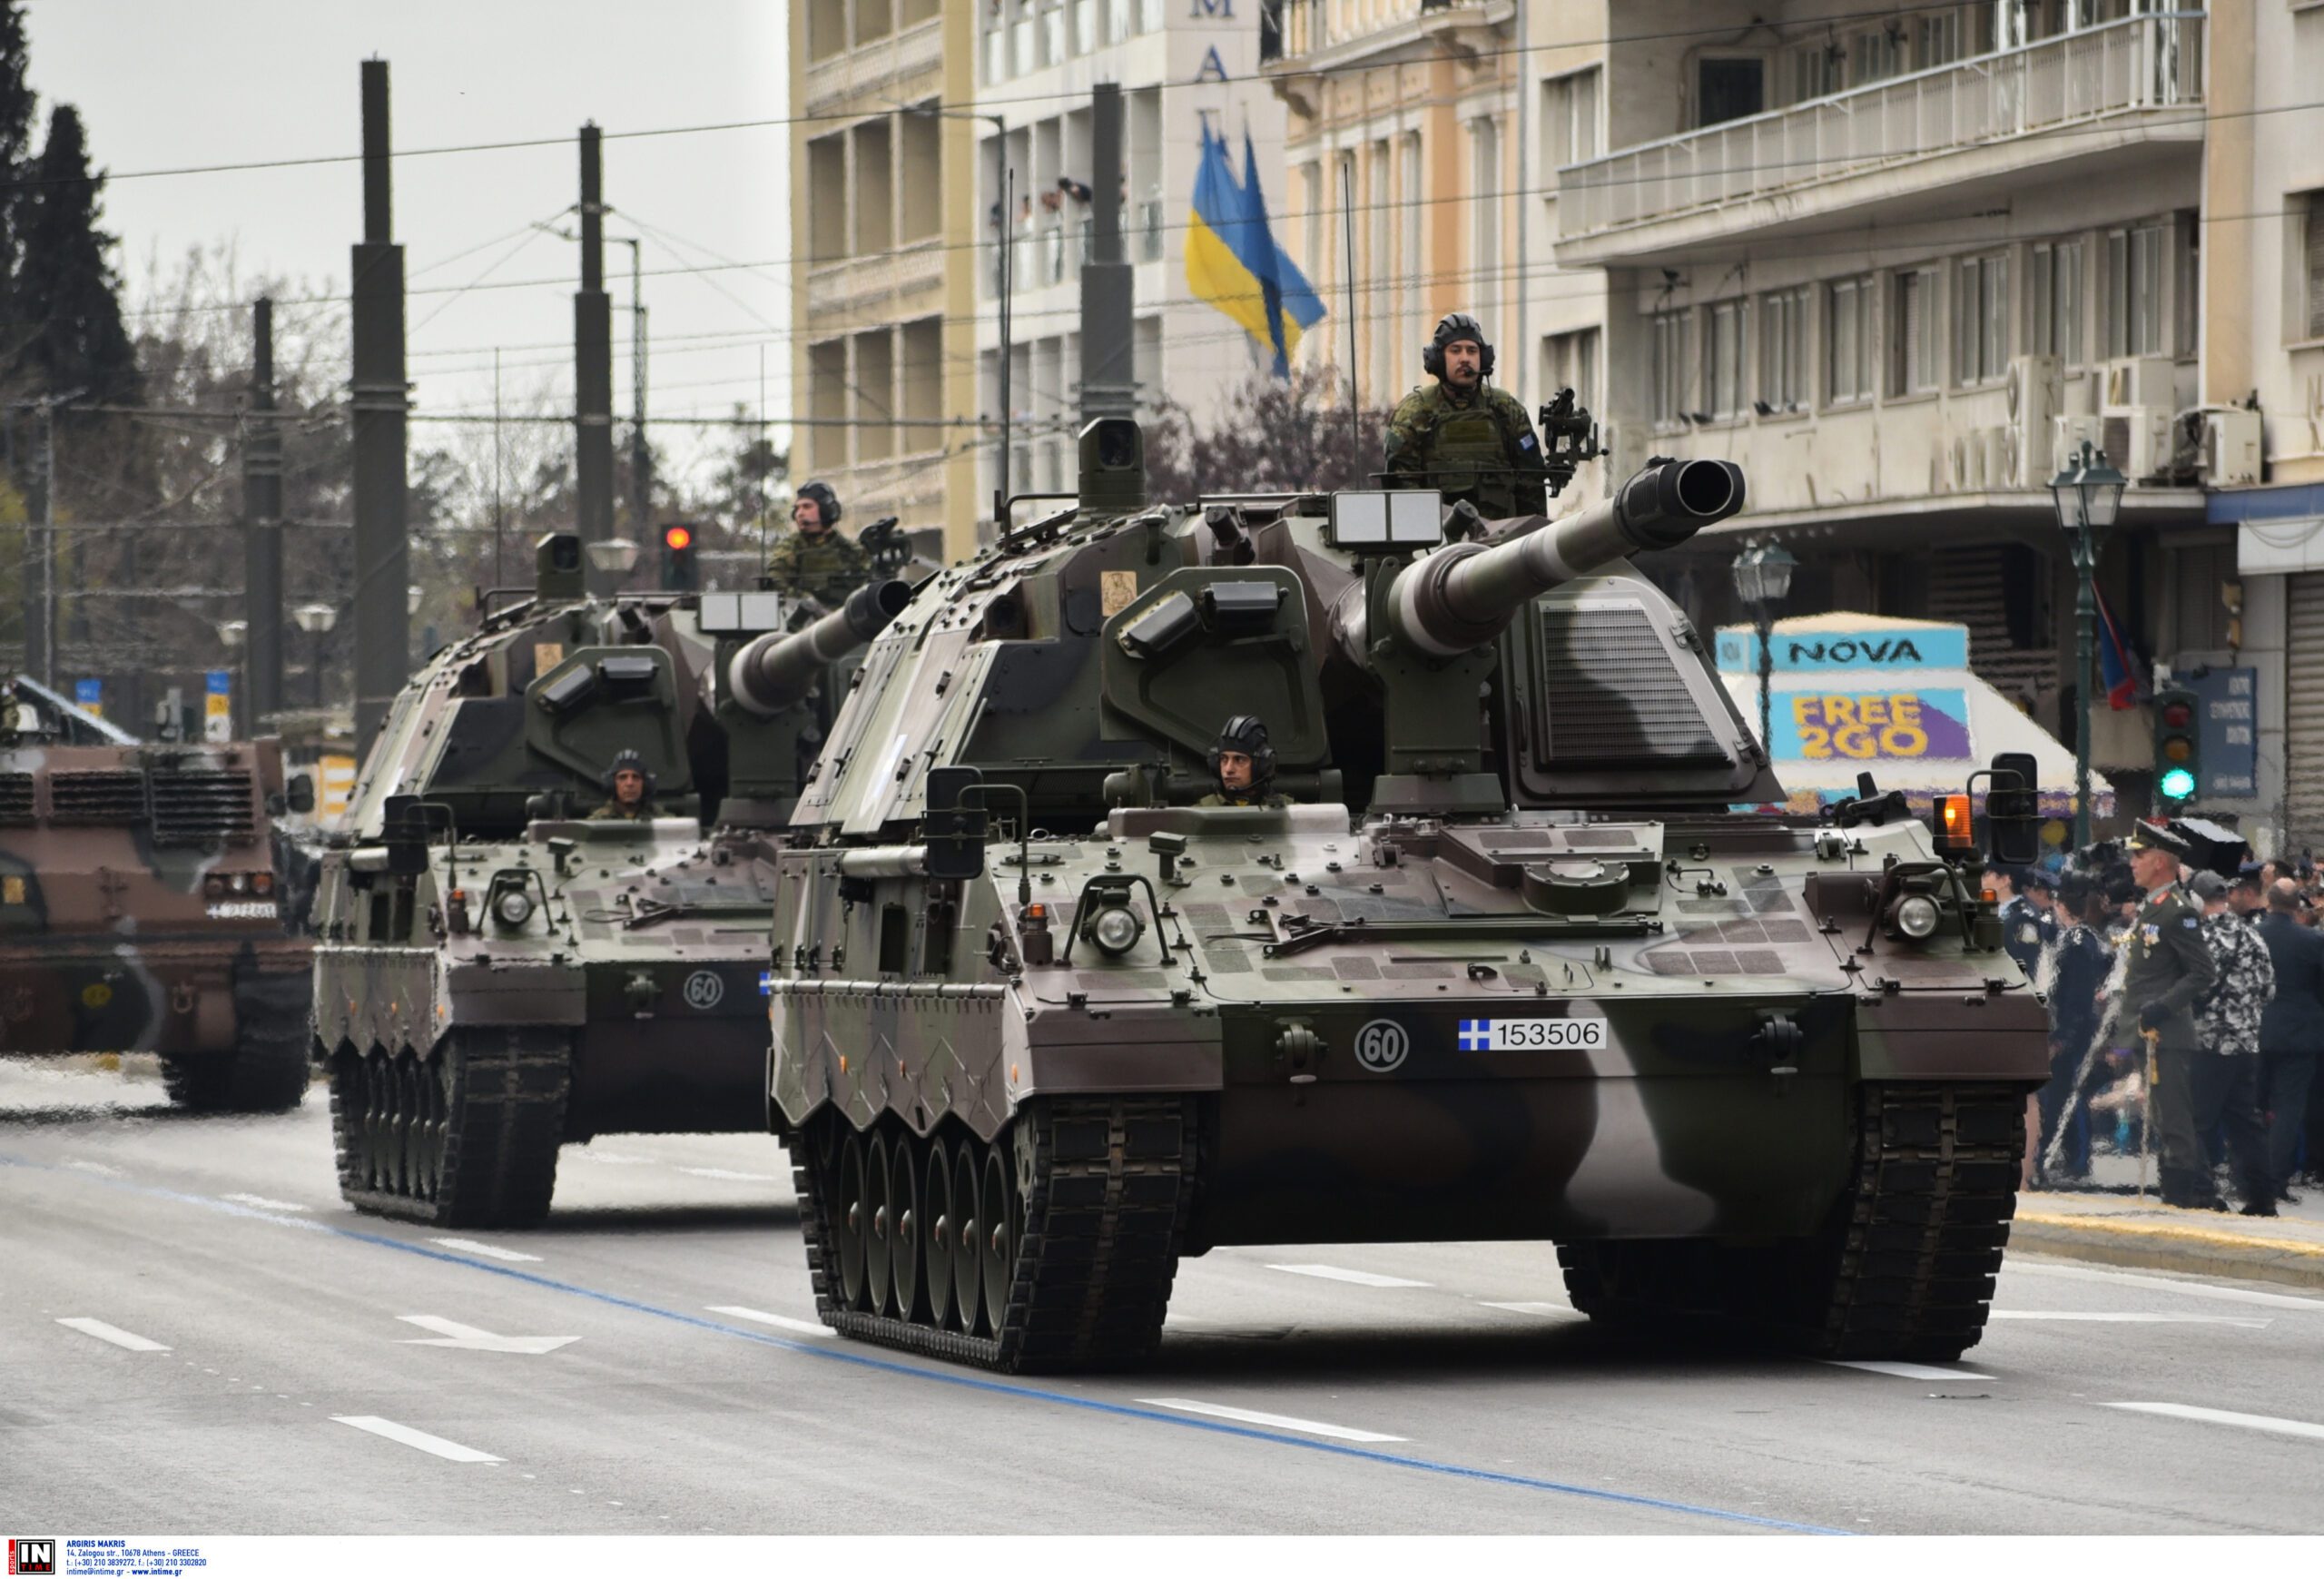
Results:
2178 785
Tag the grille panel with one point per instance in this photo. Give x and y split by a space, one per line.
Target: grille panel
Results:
1613 695
16 801
109 797
202 808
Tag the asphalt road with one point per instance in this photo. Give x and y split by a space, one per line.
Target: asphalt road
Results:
196 1336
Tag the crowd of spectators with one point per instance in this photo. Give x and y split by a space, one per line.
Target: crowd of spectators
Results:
2073 928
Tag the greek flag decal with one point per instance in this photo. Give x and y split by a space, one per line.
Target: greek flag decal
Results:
1476 1036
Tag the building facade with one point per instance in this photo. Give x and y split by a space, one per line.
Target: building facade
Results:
884 292
1180 65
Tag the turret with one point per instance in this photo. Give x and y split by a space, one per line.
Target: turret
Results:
778 669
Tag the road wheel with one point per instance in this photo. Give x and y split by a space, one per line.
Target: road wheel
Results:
849 1220
996 1236
967 1260
903 1183
940 1228
880 1219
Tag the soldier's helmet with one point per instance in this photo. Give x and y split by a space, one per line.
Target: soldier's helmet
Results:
630 761
821 492
1248 736
1455 326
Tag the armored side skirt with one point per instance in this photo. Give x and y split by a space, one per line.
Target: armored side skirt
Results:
143 994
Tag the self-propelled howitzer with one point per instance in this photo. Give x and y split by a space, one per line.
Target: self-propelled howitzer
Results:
1510 967
510 959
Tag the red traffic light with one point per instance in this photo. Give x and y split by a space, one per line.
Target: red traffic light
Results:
2177 715
677 537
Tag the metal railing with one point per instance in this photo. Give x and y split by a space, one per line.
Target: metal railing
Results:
1309 25
2141 63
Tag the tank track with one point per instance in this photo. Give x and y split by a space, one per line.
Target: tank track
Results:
1903 1269
266 1070
465 1136
1098 1191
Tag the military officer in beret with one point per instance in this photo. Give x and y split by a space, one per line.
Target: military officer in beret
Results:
2170 968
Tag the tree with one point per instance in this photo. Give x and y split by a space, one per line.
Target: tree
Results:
67 298
16 103
1272 436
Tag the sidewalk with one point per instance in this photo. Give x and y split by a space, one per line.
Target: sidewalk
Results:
2122 1230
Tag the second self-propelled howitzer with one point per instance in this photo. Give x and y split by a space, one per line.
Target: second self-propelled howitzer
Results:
512 958
1512 965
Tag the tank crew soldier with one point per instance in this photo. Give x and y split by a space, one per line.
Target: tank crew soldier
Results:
2227 1078
1242 764
2170 968
1462 436
629 791
813 559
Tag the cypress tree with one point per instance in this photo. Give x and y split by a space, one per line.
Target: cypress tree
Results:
16 100
67 298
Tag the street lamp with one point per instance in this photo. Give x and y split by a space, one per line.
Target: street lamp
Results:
1762 580
316 619
232 633
613 558
2088 494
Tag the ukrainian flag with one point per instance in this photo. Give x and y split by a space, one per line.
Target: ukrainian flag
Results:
1233 261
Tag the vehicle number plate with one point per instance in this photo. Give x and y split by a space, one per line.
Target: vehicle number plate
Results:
1539 1035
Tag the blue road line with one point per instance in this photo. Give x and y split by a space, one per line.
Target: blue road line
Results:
949 1378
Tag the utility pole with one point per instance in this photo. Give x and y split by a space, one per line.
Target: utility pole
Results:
40 582
641 458
592 366
1004 235
262 532
382 405
1109 373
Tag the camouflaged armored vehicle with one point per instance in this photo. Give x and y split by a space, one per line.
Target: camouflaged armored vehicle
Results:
497 971
1508 969
139 909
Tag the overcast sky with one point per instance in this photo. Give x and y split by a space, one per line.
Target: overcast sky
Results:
164 85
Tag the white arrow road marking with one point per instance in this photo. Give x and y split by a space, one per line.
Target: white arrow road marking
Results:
264 1203
1530 1306
478 1247
1911 1372
788 1323
731 1173
1280 1422
1344 1275
2228 1418
460 1335
419 1439
111 1334
2132 1316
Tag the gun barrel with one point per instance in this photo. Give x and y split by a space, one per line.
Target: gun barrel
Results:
1461 597
775 672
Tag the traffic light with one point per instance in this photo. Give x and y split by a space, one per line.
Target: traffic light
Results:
2178 746
678 572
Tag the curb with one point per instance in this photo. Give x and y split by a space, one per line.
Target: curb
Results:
2170 1247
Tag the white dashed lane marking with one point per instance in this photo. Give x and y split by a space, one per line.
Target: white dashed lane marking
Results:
731 1173
1530 1306
478 1247
2173 1286
1346 1275
1911 1372
419 1439
1277 1422
2135 1317
264 1203
111 1334
788 1323
2228 1418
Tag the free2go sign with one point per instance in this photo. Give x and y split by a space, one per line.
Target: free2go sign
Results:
1895 726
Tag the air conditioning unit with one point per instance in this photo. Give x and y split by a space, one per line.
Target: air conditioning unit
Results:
2035 392
2067 435
2230 455
2139 380
2137 439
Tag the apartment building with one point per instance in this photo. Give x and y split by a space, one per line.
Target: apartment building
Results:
1899 267
883 295
1180 65
1405 144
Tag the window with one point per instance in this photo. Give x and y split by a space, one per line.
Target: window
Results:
1728 89
1116 21
1569 120
1815 71
1411 274
1981 321
1571 364
2057 302
1085 25
1380 267
1723 358
1667 378
2134 292
1940 41
1149 15
1911 332
1783 350
1020 39
1878 55
1847 343
1484 190
2313 248
1311 220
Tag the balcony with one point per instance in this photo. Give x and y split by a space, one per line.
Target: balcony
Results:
849 283
2083 102
1321 34
874 67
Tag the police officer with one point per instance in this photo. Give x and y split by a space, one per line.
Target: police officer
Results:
2170 968
1242 764
629 791
2227 1077
813 559
2028 928
1462 436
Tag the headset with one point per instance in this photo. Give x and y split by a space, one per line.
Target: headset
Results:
1455 326
1246 735
821 492
630 761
